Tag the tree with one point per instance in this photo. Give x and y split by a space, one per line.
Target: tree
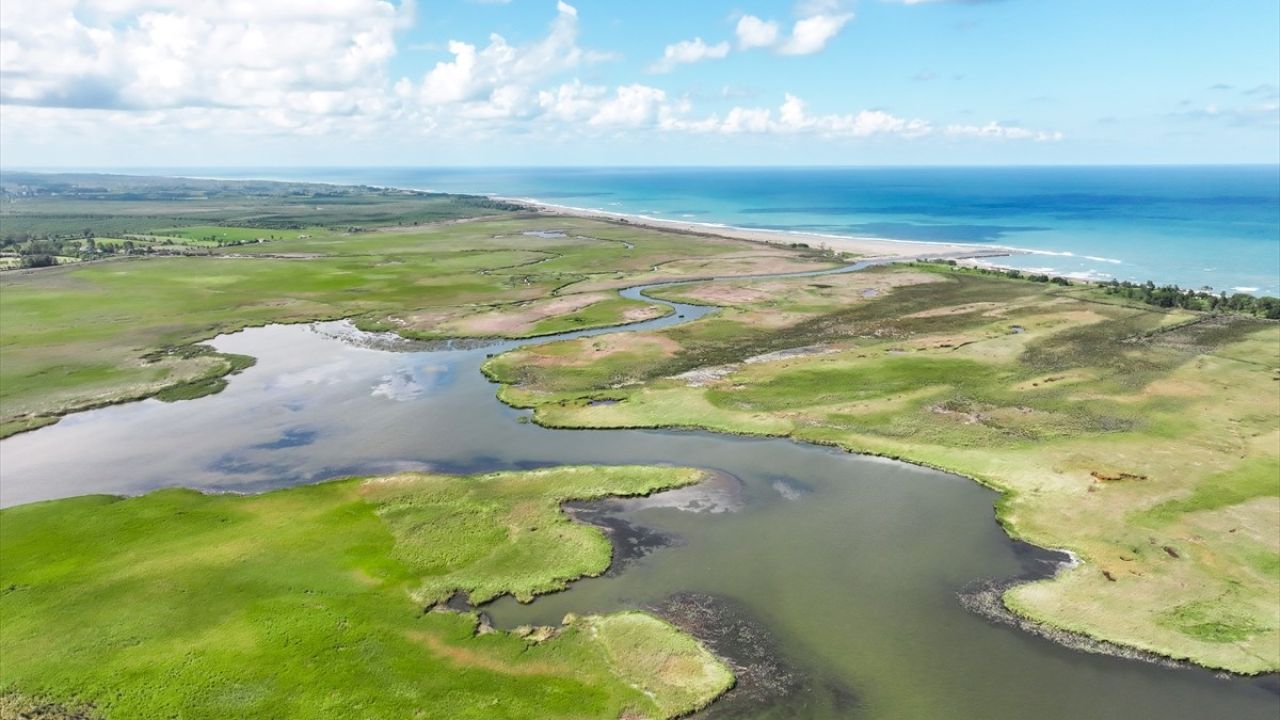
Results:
37 261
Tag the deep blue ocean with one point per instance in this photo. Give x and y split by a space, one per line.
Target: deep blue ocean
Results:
1194 226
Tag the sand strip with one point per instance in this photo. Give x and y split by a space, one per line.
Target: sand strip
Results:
866 247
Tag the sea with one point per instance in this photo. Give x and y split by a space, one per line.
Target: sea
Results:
1215 227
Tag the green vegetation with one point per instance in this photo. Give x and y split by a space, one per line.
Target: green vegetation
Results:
215 606
89 205
85 335
503 533
1174 296
1148 293
1145 440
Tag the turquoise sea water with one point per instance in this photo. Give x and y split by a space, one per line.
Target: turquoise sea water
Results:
1193 226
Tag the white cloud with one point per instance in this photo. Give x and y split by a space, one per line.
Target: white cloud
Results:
792 117
687 52
754 33
631 106
496 81
141 54
819 21
572 102
158 73
1002 132
810 35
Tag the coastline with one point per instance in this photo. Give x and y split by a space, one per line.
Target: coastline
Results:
867 248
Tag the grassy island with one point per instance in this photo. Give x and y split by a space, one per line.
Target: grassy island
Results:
1145 440
219 606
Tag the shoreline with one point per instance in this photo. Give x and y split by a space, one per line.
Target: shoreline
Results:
864 247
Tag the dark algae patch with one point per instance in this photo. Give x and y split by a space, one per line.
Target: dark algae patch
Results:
630 541
768 683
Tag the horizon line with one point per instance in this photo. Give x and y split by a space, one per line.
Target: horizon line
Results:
628 166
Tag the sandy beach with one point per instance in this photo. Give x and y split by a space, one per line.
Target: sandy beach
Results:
866 247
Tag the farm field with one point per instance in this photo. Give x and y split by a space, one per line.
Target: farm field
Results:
1145 441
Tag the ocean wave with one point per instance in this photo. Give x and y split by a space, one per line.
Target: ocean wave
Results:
1068 253
746 228
1088 275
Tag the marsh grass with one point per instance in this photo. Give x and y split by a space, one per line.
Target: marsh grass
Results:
298 604
1144 440
82 336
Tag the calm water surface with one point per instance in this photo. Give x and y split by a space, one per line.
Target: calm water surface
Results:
852 564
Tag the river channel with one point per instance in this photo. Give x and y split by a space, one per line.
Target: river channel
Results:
834 580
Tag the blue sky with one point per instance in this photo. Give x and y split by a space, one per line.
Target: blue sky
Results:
664 82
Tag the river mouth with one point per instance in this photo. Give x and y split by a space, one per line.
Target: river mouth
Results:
851 565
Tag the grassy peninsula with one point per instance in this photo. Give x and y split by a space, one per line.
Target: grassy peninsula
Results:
178 603
1145 440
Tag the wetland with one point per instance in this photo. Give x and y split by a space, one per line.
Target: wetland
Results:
832 584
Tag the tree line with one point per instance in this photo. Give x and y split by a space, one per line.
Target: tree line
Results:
1171 296
1165 296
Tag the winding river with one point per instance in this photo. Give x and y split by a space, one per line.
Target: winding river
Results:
835 580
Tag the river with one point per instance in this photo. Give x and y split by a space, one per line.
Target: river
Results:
846 571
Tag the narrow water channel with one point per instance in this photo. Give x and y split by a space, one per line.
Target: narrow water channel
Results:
837 575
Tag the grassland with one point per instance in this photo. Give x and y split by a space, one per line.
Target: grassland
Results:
178 604
103 332
114 205
1145 441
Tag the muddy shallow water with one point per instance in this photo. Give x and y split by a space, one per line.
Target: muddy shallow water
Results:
833 581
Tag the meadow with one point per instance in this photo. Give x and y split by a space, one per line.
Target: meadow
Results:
215 606
82 336
1146 441
1142 439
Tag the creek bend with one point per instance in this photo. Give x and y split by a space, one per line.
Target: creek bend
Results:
849 568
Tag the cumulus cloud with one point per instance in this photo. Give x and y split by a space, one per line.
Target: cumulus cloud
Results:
630 106
819 21
129 54
792 117
755 33
811 34
501 70
160 72
687 52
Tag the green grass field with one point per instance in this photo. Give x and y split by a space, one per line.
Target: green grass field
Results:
1146 441
114 205
178 604
80 337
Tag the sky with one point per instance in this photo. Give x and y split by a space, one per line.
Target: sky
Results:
166 83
